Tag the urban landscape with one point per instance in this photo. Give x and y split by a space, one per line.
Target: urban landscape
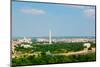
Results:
49 33
48 50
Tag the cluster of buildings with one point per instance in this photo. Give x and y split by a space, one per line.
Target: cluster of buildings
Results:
45 40
25 42
51 40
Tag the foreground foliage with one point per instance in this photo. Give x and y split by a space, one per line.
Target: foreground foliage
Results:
43 58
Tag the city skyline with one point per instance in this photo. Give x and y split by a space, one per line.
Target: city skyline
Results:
36 19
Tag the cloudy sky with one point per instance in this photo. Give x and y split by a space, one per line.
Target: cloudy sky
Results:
36 19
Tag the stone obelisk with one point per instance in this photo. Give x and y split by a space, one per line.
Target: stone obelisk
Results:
50 40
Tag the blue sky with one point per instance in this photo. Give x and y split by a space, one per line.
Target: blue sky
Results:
36 19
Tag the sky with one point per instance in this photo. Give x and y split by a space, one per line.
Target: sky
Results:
32 19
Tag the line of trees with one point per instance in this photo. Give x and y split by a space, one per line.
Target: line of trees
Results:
44 59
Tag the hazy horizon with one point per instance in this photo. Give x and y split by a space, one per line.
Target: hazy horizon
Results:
57 37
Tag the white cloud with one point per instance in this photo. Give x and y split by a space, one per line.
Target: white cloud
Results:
77 6
82 6
33 11
90 12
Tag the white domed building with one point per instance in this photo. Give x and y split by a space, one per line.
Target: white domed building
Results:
87 46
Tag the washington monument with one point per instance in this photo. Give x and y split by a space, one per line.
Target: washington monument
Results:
50 40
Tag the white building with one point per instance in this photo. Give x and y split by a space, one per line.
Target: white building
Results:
26 46
25 40
87 45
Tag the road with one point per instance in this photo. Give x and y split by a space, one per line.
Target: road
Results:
82 52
